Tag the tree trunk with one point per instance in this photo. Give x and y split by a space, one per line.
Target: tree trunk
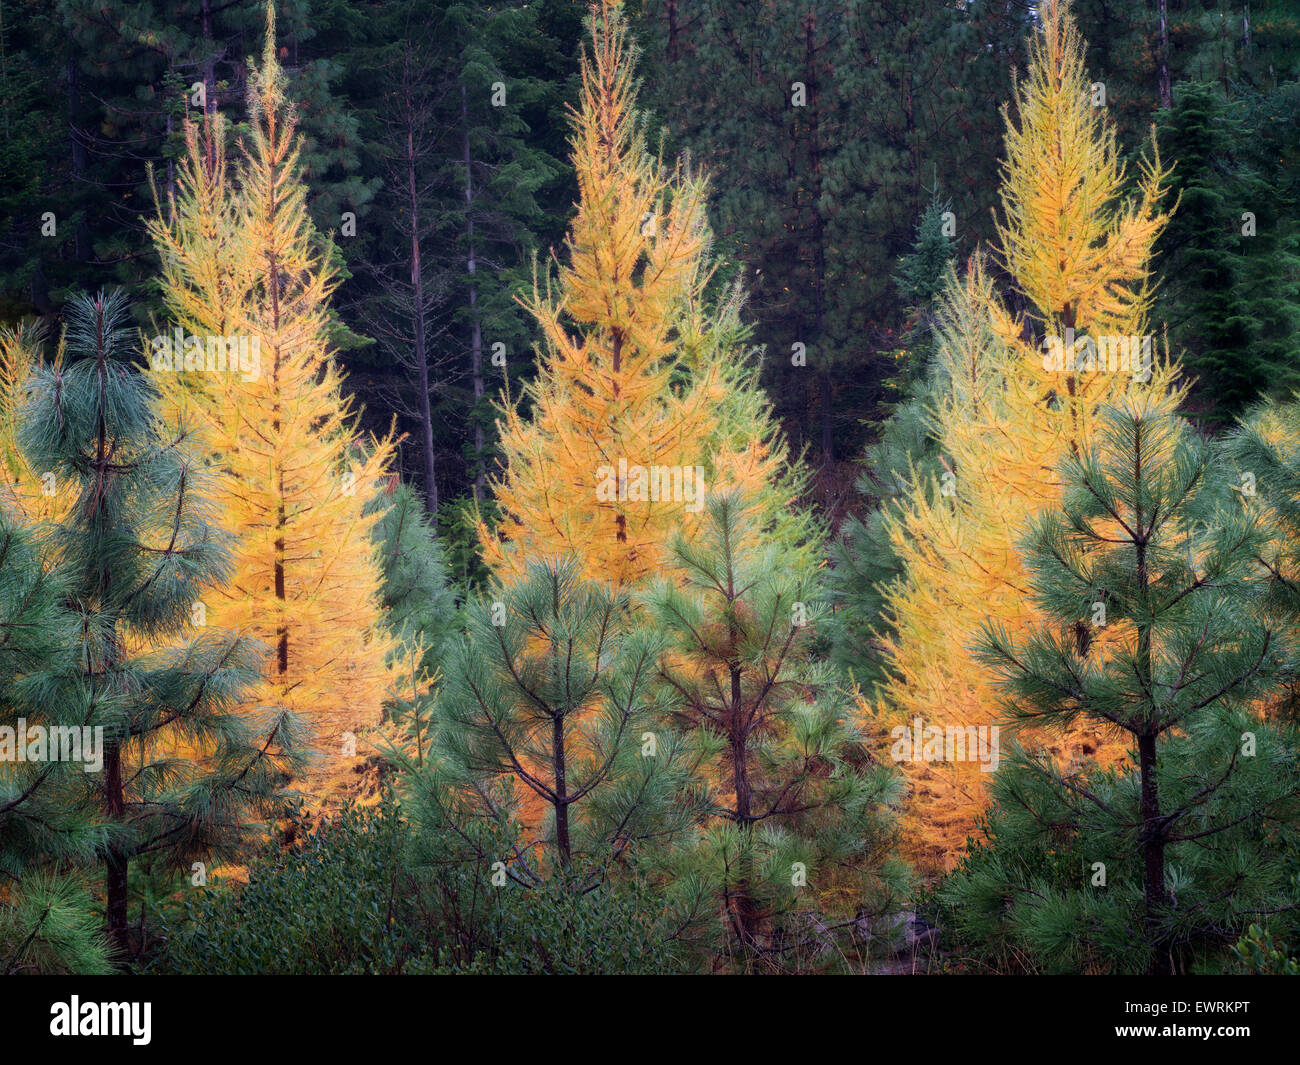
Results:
115 859
4 72
281 512
744 906
561 792
79 158
282 630
476 326
421 342
209 78
1153 853
818 245
827 414
1153 832
1166 94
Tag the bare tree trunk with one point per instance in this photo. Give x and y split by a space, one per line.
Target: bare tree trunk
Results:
171 163
476 325
1166 94
209 75
417 296
826 393
79 161
4 72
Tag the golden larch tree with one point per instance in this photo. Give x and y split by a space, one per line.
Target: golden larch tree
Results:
249 368
640 372
1018 394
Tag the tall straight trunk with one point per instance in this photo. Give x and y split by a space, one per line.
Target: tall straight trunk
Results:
561 792
78 150
913 142
209 74
281 512
476 325
282 630
826 393
1166 94
744 906
616 370
741 786
1153 852
1068 317
1153 832
417 296
115 859
171 163
4 72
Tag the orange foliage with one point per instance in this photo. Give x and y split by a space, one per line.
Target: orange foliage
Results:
640 373
241 261
1011 410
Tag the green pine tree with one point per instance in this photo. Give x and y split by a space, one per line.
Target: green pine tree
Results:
1159 865
1266 463
920 279
547 759
420 607
48 840
797 817
184 777
864 559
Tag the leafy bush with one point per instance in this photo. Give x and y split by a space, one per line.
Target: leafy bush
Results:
556 930
334 903
1257 954
347 899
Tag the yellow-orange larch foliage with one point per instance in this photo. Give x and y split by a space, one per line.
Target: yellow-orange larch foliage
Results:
1019 394
644 396
243 268
30 494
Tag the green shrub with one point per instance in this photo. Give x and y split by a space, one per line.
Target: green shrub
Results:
556 930
347 899
334 903
1258 955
